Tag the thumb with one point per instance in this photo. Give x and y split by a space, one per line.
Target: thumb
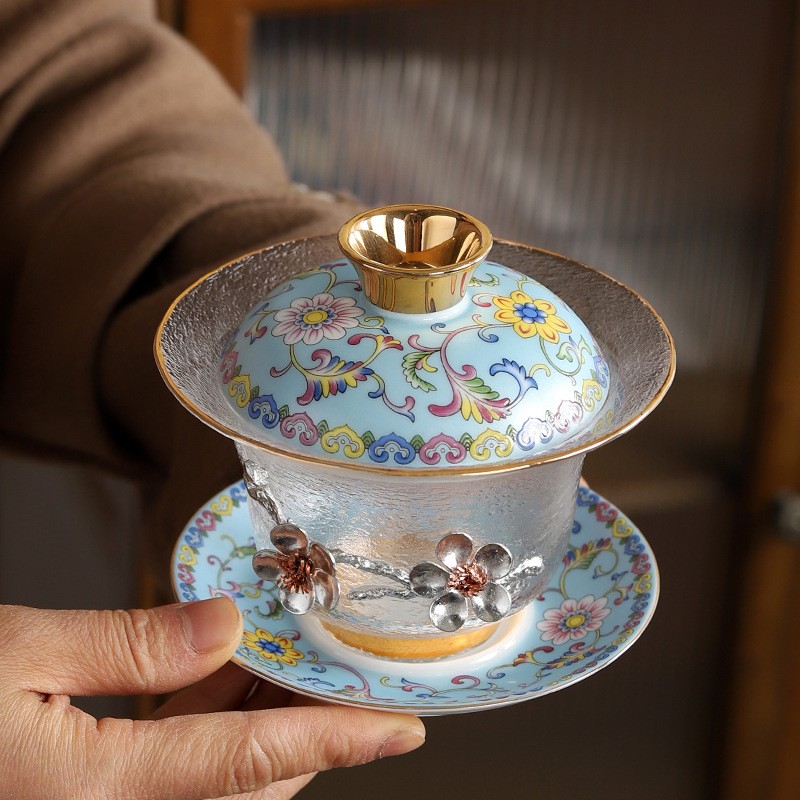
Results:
123 652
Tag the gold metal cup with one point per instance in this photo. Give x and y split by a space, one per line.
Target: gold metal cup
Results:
415 259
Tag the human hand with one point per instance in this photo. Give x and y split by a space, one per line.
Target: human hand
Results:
197 746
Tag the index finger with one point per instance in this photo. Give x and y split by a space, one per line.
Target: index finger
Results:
215 755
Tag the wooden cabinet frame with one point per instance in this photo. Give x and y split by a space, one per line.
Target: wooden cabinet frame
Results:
763 721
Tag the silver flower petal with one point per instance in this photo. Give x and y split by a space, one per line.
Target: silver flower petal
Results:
491 604
266 565
495 559
296 602
449 612
322 558
326 589
288 538
428 579
454 550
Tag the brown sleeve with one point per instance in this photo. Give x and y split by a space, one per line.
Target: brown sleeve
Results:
127 169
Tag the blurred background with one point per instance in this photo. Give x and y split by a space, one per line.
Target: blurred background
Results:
658 143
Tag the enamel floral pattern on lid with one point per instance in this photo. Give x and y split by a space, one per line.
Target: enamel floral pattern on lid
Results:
414 351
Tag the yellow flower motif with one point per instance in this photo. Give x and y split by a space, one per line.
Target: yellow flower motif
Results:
239 390
188 556
491 442
272 648
344 438
530 317
591 394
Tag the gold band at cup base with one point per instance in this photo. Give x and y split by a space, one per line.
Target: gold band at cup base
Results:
411 648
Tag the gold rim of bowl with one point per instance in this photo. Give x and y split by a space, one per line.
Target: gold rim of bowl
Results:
512 465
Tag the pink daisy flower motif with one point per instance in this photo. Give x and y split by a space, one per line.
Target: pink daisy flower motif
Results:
311 319
573 619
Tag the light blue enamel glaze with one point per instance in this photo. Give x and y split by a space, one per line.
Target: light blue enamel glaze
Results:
508 373
597 605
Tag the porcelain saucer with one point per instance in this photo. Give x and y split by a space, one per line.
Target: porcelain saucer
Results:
599 601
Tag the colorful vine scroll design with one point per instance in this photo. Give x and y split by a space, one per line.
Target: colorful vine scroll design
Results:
428 366
609 572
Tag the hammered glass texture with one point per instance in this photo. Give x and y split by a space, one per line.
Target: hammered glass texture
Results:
633 339
401 519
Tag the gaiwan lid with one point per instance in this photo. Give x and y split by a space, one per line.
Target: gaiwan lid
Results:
414 351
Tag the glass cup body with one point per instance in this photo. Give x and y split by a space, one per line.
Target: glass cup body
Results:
379 518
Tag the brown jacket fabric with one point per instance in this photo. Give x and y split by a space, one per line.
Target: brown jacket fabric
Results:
127 170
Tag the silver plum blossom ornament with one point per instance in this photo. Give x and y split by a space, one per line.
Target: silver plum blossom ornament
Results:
303 572
468 581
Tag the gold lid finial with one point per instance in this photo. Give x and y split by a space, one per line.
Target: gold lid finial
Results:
415 259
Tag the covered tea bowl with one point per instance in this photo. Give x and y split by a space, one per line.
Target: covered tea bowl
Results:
412 413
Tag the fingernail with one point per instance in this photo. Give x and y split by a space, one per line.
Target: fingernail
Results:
401 742
210 624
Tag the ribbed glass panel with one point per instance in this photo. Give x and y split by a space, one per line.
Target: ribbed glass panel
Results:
638 137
